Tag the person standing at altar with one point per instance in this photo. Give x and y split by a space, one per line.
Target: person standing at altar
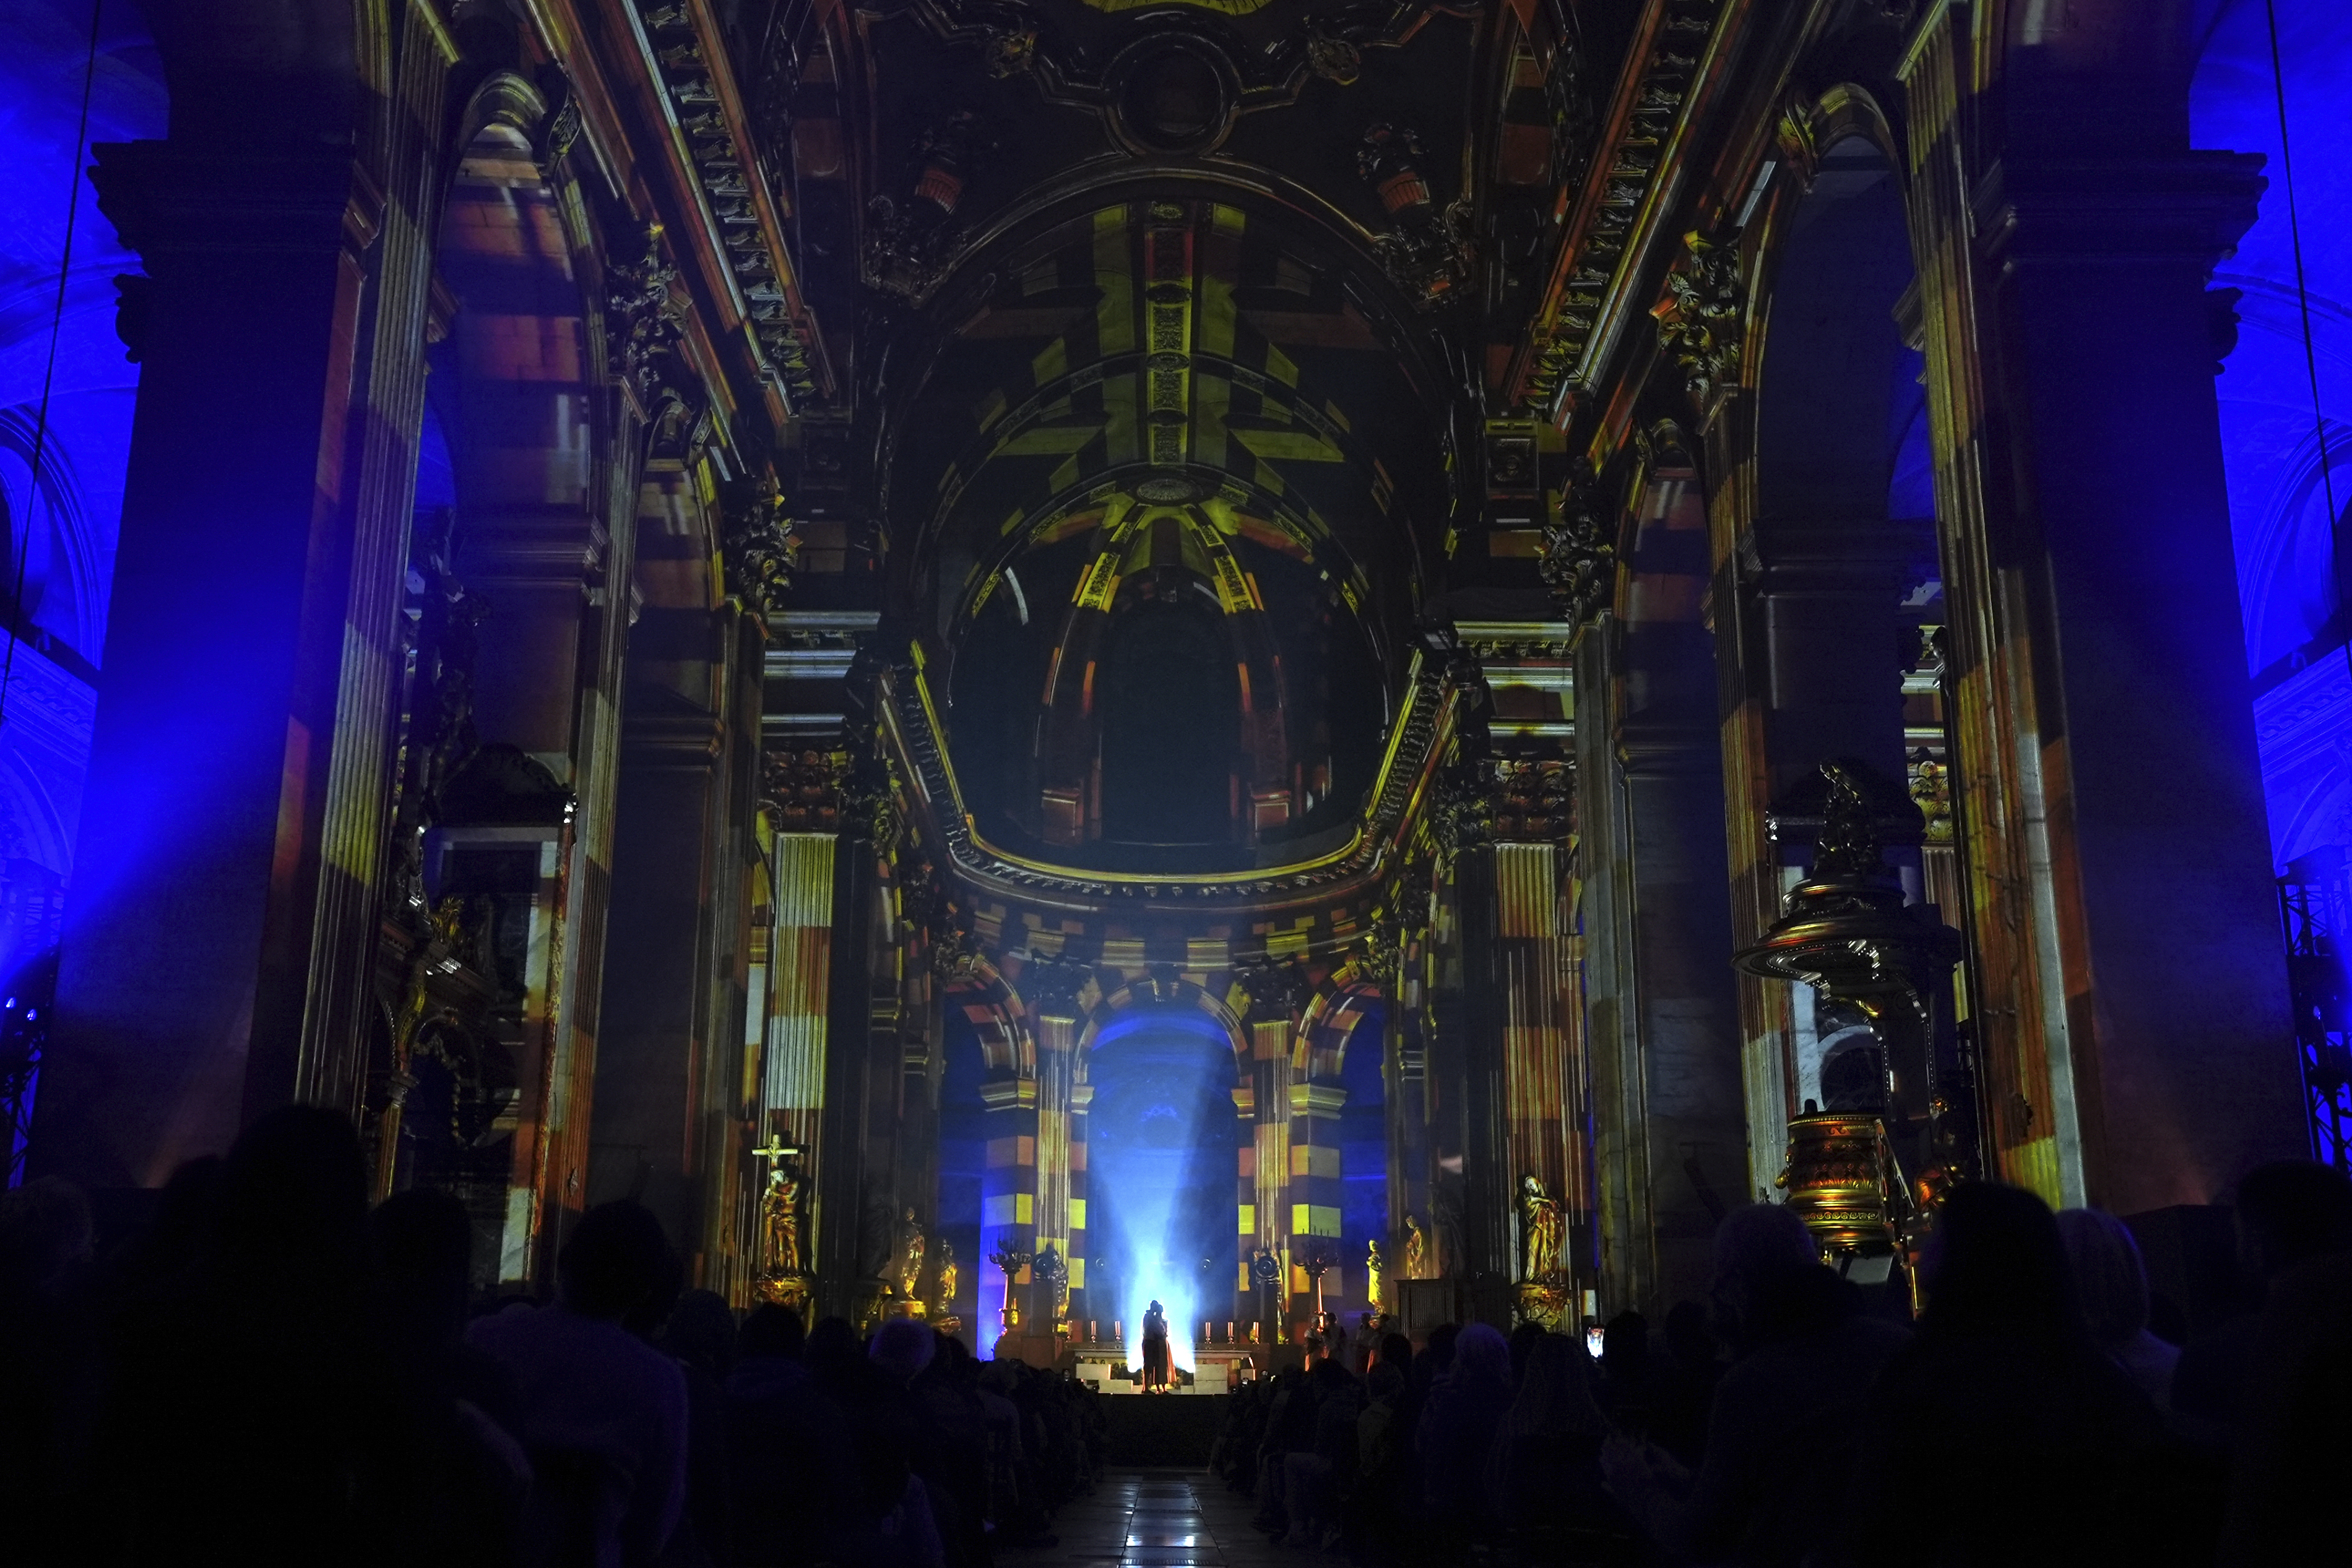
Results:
1155 1350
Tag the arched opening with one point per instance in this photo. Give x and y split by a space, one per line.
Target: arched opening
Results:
963 1165
1363 1156
1160 1162
488 687
1851 587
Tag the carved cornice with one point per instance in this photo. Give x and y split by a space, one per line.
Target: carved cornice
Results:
1620 204
1072 69
1495 642
2191 208
196 210
1421 733
682 46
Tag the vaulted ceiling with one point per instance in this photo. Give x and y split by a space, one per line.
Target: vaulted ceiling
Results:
1168 331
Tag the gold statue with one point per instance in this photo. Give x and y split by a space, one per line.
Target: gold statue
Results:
1540 1232
780 1221
1372 1277
911 1246
1416 1250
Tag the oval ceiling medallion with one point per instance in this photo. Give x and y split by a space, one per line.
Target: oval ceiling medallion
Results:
1172 95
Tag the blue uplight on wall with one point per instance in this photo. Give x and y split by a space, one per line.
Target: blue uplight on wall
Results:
67 393
2288 529
1160 1139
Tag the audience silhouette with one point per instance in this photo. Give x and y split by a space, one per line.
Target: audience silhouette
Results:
266 1371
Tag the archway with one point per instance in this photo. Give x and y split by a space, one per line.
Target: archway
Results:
1849 603
1161 1146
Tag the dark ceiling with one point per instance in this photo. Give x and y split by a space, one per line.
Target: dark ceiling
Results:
1163 321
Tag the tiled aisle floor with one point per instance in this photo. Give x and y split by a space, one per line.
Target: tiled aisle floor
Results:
1158 1519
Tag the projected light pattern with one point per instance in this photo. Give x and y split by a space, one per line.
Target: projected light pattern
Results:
65 442
2291 576
963 1160
1161 1140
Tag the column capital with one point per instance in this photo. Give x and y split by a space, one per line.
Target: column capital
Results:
1057 988
691 741
1652 747
1832 555
2183 207
551 545
174 206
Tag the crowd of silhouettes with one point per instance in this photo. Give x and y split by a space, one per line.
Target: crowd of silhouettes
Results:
269 1371
2029 1414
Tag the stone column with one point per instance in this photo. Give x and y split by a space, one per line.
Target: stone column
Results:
840 1165
1083 1306
1404 1082
1317 1098
2098 227
1008 1184
187 952
1543 1078
650 1054
1487 1181
1056 990
1263 1104
1669 1127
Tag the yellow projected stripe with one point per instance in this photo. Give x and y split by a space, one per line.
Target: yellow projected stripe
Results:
1312 1219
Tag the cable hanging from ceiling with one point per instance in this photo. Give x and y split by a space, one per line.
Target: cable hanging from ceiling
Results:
2310 348
50 373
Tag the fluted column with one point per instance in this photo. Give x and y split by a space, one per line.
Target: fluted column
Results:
1670 1129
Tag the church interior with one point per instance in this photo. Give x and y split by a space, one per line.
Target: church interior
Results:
1024 663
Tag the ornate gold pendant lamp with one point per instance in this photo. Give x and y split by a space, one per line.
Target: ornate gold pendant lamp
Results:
1867 1183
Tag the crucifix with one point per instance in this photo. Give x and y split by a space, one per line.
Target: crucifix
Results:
779 1209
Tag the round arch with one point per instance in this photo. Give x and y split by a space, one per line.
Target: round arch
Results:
998 1015
1174 995
1327 1025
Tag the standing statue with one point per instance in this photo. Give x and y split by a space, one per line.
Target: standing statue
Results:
1372 1277
1416 1250
910 1252
780 1221
1540 1232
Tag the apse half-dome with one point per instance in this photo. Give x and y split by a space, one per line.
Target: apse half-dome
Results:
1153 686
1165 475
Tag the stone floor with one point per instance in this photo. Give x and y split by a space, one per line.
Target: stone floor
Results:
1158 1518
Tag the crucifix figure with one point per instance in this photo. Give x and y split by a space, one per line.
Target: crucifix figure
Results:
779 1210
